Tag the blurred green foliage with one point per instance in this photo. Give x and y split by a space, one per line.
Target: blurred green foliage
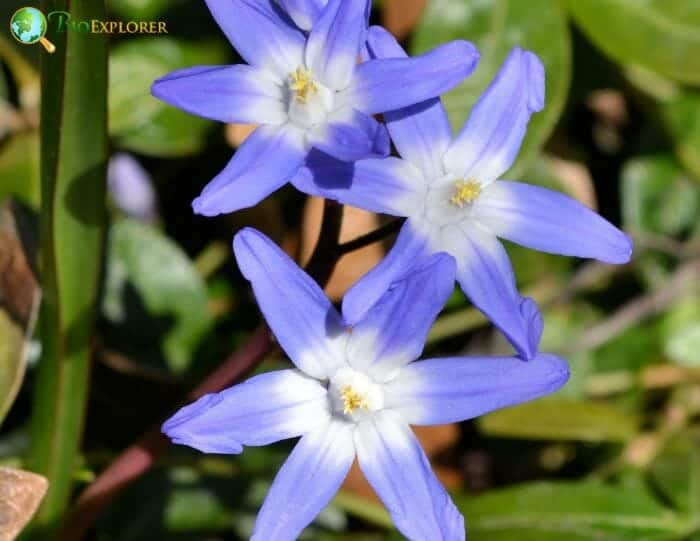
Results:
615 456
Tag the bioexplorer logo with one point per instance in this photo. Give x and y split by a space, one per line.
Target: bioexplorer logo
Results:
29 25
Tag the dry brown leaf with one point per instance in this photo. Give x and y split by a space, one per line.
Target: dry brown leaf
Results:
237 133
576 179
401 16
21 493
19 302
18 285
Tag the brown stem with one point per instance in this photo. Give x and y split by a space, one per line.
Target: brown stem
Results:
140 456
325 256
371 237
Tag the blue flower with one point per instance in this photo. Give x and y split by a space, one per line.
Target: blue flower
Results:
448 188
305 90
353 394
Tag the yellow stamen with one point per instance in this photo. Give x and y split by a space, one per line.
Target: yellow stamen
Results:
303 84
352 400
465 192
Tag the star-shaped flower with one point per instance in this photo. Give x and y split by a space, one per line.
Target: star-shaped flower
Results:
449 189
306 90
353 394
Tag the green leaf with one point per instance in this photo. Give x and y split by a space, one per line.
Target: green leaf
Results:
583 511
73 213
154 298
658 197
672 470
661 35
682 117
19 169
140 122
680 331
556 419
496 26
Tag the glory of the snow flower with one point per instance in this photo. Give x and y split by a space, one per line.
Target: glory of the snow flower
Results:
449 189
305 90
353 394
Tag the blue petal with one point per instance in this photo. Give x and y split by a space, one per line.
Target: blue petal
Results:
392 83
265 409
421 132
409 249
441 391
261 33
490 140
390 185
131 188
306 482
486 276
238 93
334 42
303 12
550 221
394 330
395 465
265 161
350 135
300 315
322 173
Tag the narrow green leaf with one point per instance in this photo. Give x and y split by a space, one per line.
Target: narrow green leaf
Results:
583 511
661 35
73 171
554 419
496 26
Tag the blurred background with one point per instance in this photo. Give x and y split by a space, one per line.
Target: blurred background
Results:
614 456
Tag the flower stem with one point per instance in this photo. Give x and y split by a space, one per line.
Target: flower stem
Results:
371 237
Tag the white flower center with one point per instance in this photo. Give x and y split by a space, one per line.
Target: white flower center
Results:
353 395
449 201
308 101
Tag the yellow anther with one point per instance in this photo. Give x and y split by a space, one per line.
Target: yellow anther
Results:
352 400
303 84
465 192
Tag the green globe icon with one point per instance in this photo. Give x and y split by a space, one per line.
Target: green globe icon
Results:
28 26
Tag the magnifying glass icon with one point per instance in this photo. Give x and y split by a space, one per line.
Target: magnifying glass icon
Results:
28 25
